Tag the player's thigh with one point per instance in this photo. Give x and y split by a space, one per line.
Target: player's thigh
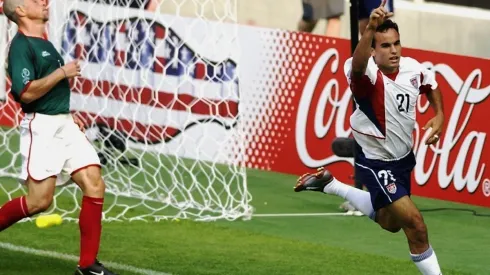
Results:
405 212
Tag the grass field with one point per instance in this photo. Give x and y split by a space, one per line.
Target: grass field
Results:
299 244
263 245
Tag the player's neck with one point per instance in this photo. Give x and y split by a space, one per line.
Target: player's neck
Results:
388 71
33 29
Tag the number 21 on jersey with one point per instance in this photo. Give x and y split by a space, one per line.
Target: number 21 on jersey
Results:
403 102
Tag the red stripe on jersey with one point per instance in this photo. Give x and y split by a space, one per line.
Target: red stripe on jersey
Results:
373 95
361 86
377 99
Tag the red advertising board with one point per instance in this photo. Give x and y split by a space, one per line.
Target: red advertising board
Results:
310 103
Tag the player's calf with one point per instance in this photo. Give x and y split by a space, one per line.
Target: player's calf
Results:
416 232
39 198
90 222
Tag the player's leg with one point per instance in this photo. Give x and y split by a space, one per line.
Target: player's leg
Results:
326 183
412 223
83 165
387 221
395 209
334 9
308 20
90 221
39 197
40 163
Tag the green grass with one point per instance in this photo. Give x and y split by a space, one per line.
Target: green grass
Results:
272 245
263 245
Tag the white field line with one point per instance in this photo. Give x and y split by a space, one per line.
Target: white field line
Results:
73 258
350 213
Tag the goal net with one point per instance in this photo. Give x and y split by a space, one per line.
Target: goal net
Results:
159 95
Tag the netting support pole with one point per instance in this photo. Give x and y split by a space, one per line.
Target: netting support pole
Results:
354 39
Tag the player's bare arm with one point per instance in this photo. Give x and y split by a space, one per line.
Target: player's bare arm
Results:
437 122
40 87
362 52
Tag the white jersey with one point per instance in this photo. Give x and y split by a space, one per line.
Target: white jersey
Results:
386 107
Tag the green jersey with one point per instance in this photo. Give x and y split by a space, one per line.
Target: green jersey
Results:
32 58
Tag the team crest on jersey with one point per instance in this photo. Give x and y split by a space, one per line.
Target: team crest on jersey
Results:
391 188
414 82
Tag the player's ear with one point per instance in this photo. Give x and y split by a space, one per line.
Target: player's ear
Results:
20 11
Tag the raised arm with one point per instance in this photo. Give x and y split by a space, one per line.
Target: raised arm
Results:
362 53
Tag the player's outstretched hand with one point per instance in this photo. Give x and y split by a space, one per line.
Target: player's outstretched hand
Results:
72 69
379 15
436 124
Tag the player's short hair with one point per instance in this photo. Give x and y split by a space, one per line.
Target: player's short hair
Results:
388 24
9 7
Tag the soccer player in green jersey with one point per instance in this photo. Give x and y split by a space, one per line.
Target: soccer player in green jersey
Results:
53 146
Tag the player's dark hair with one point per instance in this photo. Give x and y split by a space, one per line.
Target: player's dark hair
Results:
388 24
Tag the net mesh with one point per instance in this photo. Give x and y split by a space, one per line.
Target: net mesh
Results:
159 95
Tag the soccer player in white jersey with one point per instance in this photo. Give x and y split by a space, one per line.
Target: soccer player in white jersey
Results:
385 86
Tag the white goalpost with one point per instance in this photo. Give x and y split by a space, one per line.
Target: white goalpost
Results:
160 97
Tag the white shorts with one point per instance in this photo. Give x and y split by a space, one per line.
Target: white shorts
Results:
53 146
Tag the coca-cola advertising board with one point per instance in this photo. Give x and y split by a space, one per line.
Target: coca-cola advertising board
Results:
314 103
293 101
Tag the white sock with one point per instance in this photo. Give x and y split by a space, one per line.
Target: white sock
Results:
427 262
357 197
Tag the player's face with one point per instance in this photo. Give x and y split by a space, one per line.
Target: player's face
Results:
36 10
387 50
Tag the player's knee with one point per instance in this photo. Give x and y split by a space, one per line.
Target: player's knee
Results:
387 222
95 184
38 204
391 228
389 225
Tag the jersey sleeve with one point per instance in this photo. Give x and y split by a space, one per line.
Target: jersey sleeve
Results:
427 77
363 86
427 80
20 67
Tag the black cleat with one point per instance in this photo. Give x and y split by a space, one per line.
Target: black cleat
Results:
95 269
314 182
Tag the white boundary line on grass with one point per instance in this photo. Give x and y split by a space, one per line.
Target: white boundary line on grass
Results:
304 214
71 258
